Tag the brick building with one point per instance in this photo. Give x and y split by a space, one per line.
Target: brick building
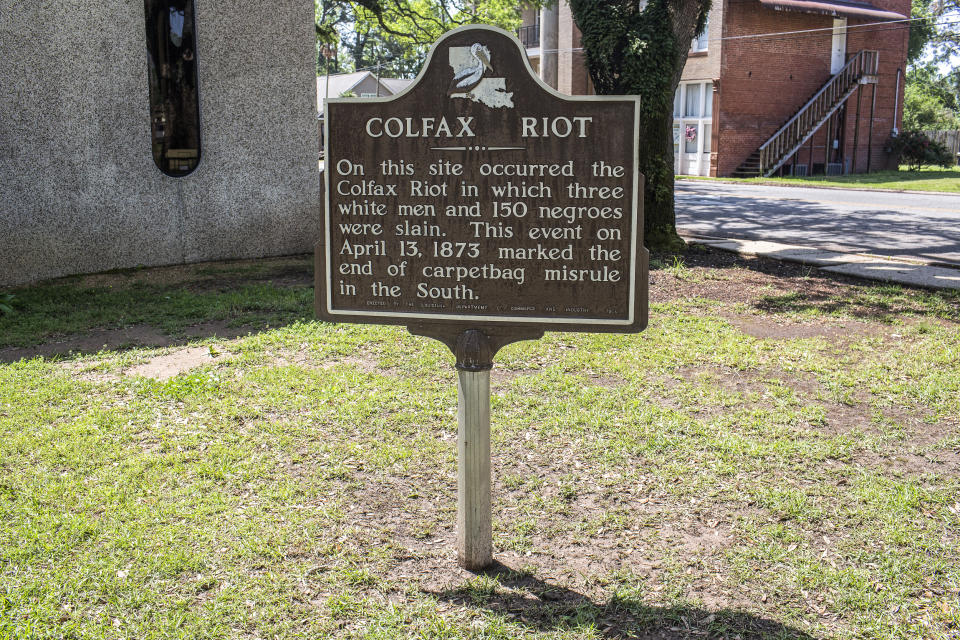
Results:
772 86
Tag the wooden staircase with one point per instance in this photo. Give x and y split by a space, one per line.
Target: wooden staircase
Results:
860 69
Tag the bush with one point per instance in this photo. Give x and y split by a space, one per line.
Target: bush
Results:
916 150
6 299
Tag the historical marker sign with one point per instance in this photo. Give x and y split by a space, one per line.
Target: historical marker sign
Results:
480 197
480 207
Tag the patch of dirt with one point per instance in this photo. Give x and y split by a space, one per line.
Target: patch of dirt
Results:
136 336
840 418
731 278
500 377
942 462
364 363
362 360
745 382
607 381
844 418
285 269
772 286
172 364
773 328
93 342
218 329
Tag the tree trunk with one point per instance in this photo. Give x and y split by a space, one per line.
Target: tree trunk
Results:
641 51
656 164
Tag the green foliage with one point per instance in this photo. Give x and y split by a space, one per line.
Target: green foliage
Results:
6 302
934 31
931 100
917 150
396 34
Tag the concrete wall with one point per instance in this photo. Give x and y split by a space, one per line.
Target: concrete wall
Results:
79 190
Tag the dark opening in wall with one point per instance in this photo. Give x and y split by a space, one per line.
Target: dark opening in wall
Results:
172 71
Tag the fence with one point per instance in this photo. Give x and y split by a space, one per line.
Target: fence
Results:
951 139
529 35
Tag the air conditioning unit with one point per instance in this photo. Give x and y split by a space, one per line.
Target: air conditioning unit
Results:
799 170
834 168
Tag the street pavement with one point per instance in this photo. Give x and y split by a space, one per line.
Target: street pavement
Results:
914 226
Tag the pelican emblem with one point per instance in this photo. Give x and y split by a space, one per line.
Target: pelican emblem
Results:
469 77
469 64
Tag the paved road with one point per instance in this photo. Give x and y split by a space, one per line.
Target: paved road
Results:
885 223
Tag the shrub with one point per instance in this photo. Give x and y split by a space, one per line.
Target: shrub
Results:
916 150
6 299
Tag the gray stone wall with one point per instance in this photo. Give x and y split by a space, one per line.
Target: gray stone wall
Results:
79 191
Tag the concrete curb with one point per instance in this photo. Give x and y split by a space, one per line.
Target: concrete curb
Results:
911 273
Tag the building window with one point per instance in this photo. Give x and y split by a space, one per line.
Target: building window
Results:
172 75
692 106
700 44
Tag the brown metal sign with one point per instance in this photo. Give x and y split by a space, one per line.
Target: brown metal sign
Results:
481 197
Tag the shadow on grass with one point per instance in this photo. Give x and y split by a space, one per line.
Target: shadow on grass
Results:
523 599
154 307
811 291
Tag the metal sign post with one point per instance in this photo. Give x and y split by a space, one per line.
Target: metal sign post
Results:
480 207
474 519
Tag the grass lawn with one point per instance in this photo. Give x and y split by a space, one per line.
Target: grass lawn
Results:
928 179
185 453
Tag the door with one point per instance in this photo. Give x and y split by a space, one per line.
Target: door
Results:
838 47
693 113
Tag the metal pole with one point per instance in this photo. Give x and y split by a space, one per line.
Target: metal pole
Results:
826 148
474 521
841 137
856 128
896 104
873 108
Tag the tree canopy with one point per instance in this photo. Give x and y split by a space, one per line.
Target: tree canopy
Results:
396 34
934 31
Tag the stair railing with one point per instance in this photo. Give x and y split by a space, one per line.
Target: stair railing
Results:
808 119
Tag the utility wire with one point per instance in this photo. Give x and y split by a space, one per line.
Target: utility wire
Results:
851 26
878 27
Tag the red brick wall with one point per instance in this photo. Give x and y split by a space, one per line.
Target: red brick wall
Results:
891 42
765 80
